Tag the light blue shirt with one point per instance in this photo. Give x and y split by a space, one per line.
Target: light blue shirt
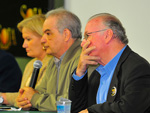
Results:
106 73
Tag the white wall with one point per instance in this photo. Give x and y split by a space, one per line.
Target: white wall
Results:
134 15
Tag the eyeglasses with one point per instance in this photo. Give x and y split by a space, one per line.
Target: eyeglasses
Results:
88 34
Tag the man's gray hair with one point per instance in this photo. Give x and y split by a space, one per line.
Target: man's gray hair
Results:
113 23
66 20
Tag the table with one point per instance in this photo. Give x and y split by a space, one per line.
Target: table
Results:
25 112
22 111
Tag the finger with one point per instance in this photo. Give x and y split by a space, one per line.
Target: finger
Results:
23 104
19 99
85 45
89 58
89 50
83 42
93 58
92 62
84 62
27 106
21 91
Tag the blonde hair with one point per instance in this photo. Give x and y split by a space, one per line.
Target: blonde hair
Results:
34 23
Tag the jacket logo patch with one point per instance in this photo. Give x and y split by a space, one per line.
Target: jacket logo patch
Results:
113 91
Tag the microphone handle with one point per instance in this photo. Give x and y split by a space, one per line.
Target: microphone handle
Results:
34 77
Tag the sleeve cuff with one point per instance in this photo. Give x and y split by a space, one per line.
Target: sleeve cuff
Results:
34 99
77 78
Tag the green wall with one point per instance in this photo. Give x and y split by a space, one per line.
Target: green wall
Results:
22 61
58 3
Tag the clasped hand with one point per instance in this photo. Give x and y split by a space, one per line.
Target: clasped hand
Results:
24 98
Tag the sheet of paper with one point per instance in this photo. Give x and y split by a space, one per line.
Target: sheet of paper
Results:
9 109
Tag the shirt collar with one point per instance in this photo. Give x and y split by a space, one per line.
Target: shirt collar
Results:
58 61
110 65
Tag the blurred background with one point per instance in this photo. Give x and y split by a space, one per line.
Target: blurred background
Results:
14 11
134 15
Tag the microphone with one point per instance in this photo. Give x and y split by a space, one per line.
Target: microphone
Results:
37 65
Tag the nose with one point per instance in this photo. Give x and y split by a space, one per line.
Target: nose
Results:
24 45
83 42
43 39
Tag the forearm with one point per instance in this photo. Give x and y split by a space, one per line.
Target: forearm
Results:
9 98
44 102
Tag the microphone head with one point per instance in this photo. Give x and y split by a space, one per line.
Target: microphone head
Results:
37 64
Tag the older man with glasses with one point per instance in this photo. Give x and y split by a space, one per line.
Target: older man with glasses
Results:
120 81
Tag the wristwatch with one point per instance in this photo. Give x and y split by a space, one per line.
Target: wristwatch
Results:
1 99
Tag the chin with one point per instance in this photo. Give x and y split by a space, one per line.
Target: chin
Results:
29 55
48 52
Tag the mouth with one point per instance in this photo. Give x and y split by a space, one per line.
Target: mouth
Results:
45 47
27 51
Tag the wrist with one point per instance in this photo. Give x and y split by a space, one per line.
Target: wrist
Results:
3 95
1 100
79 73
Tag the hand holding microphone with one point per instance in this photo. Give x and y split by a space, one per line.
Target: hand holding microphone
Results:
37 65
28 92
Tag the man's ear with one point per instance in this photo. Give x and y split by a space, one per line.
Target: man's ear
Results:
108 36
67 34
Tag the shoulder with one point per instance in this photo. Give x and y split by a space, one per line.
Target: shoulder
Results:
51 62
30 63
47 59
133 65
5 55
7 58
135 59
131 58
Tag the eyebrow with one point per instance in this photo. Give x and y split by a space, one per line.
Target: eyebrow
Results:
47 30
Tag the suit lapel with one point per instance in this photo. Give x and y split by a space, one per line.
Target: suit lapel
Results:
114 82
93 87
91 69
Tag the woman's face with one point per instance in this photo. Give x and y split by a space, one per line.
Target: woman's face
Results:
32 43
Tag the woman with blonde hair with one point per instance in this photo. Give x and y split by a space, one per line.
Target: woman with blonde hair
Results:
31 29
